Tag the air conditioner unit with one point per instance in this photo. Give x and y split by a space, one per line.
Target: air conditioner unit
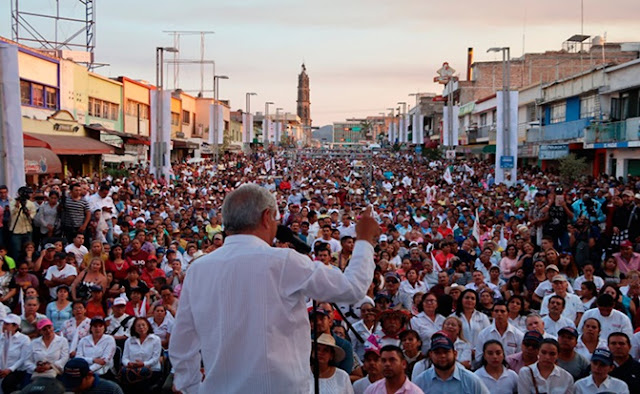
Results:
531 125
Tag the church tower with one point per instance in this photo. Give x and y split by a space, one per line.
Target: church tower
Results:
304 105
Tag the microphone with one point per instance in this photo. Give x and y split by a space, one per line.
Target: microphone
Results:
285 234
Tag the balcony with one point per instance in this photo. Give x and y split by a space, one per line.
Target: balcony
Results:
626 130
564 131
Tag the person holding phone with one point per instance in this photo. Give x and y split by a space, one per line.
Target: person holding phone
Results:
560 214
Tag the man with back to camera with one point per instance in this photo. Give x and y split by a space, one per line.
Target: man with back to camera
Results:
260 337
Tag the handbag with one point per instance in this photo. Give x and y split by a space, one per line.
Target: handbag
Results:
134 375
82 291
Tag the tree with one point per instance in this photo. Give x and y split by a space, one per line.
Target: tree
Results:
432 153
572 168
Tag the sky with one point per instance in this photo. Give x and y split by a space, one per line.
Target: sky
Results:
362 56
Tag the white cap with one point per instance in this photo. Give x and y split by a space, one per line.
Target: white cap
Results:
383 238
12 318
119 301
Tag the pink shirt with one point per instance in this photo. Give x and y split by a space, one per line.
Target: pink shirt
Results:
625 266
407 388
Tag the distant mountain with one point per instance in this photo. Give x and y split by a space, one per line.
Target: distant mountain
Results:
323 134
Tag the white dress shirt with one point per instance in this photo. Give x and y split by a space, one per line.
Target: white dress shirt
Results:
558 382
615 322
511 339
610 385
479 321
572 306
148 351
260 334
18 356
553 326
582 349
116 328
105 348
426 328
164 328
57 354
365 333
506 383
635 346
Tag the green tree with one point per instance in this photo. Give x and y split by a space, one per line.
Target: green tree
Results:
432 154
572 167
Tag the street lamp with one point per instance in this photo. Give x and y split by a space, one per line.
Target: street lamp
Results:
265 132
506 104
216 84
160 146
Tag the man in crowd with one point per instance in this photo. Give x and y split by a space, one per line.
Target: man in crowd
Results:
599 381
568 359
393 369
529 351
573 306
610 319
501 330
554 321
626 368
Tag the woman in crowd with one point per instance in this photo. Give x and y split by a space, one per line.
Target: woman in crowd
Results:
495 372
568 268
138 304
23 278
473 321
534 279
162 324
97 348
526 258
486 302
332 380
141 358
92 276
77 327
96 305
59 311
29 254
515 286
552 257
590 339
589 294
588 271
411 286
8 288
509 263
452 326
133 281
117 264
428 321
28 325
623 303
610 272
411 344
367 325
50 352
544 376
517 312
15 348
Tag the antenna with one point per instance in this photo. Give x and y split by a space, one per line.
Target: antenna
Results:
176 43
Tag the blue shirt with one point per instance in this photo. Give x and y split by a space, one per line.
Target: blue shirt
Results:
461 381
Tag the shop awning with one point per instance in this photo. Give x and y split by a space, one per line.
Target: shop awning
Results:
489 149
180 144
41 161
71 145
133 139
33 142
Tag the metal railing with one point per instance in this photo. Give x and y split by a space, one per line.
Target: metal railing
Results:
626 130
564 131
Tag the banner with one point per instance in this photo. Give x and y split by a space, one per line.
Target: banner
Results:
390 132
11 140
265 131
160 135
445 126
402 136
417 126
220 124
447 175
476 228
507 175
247 128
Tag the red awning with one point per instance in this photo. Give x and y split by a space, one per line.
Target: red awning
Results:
70 145
135 141
33 142
41 161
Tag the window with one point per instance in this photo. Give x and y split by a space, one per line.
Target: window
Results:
132 108
531 113
588 106
558 112
103 109
144 111
175 119
114 111
137 109
38 95
186 117
483 119
25 92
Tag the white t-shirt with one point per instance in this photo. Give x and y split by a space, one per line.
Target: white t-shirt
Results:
598 281
615 322
360 385
67 271
339 383
545 289
78 252
507 383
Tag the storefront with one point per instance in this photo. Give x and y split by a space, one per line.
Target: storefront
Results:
39 160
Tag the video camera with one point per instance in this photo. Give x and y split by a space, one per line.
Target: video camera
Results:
24 194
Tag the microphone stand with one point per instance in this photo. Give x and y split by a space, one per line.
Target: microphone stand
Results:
349 325
314 351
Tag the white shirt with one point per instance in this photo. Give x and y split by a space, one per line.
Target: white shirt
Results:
347 230
506 383
105 349
610 385
67 271
598 281
365 333
57 353
18 354
572 306
552 327
407 292
275 335
148 351
334 244
78 252
360 385
464 350
582 349
511 339
558 382
545 288
426 328
115 326
615 322
164 328
470 329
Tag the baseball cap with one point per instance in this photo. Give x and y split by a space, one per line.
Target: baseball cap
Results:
626 244
441 342
75 370
119 301
559 278
569 330
602 355
43 323
552 267
383 238
392 275
320 311
49 246
12 318
44 385
533 336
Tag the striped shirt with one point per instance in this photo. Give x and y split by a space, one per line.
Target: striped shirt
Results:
74 212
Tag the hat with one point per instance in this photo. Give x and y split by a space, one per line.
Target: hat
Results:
602 355
453 287
393 275
119 301
637 196
626 244
383 238
627 193
441 342
75 370
12 318
49 246
327 340
552 267
534 336
559 278
321 311
44 385
569 330
43 323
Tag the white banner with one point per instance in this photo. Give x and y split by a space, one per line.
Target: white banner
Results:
420 127
11 142
278 132
265 130
390 133
507 175
407 120
161 134
401 127
445 125
247 128
220 124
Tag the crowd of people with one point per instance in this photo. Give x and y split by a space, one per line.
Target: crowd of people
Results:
531 288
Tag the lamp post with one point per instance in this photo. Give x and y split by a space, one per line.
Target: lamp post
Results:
276 132
506 113
246 145
265 132
160 145
216 83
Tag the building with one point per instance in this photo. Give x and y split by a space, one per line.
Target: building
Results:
348 132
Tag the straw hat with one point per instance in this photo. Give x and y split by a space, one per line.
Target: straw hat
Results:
327 340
